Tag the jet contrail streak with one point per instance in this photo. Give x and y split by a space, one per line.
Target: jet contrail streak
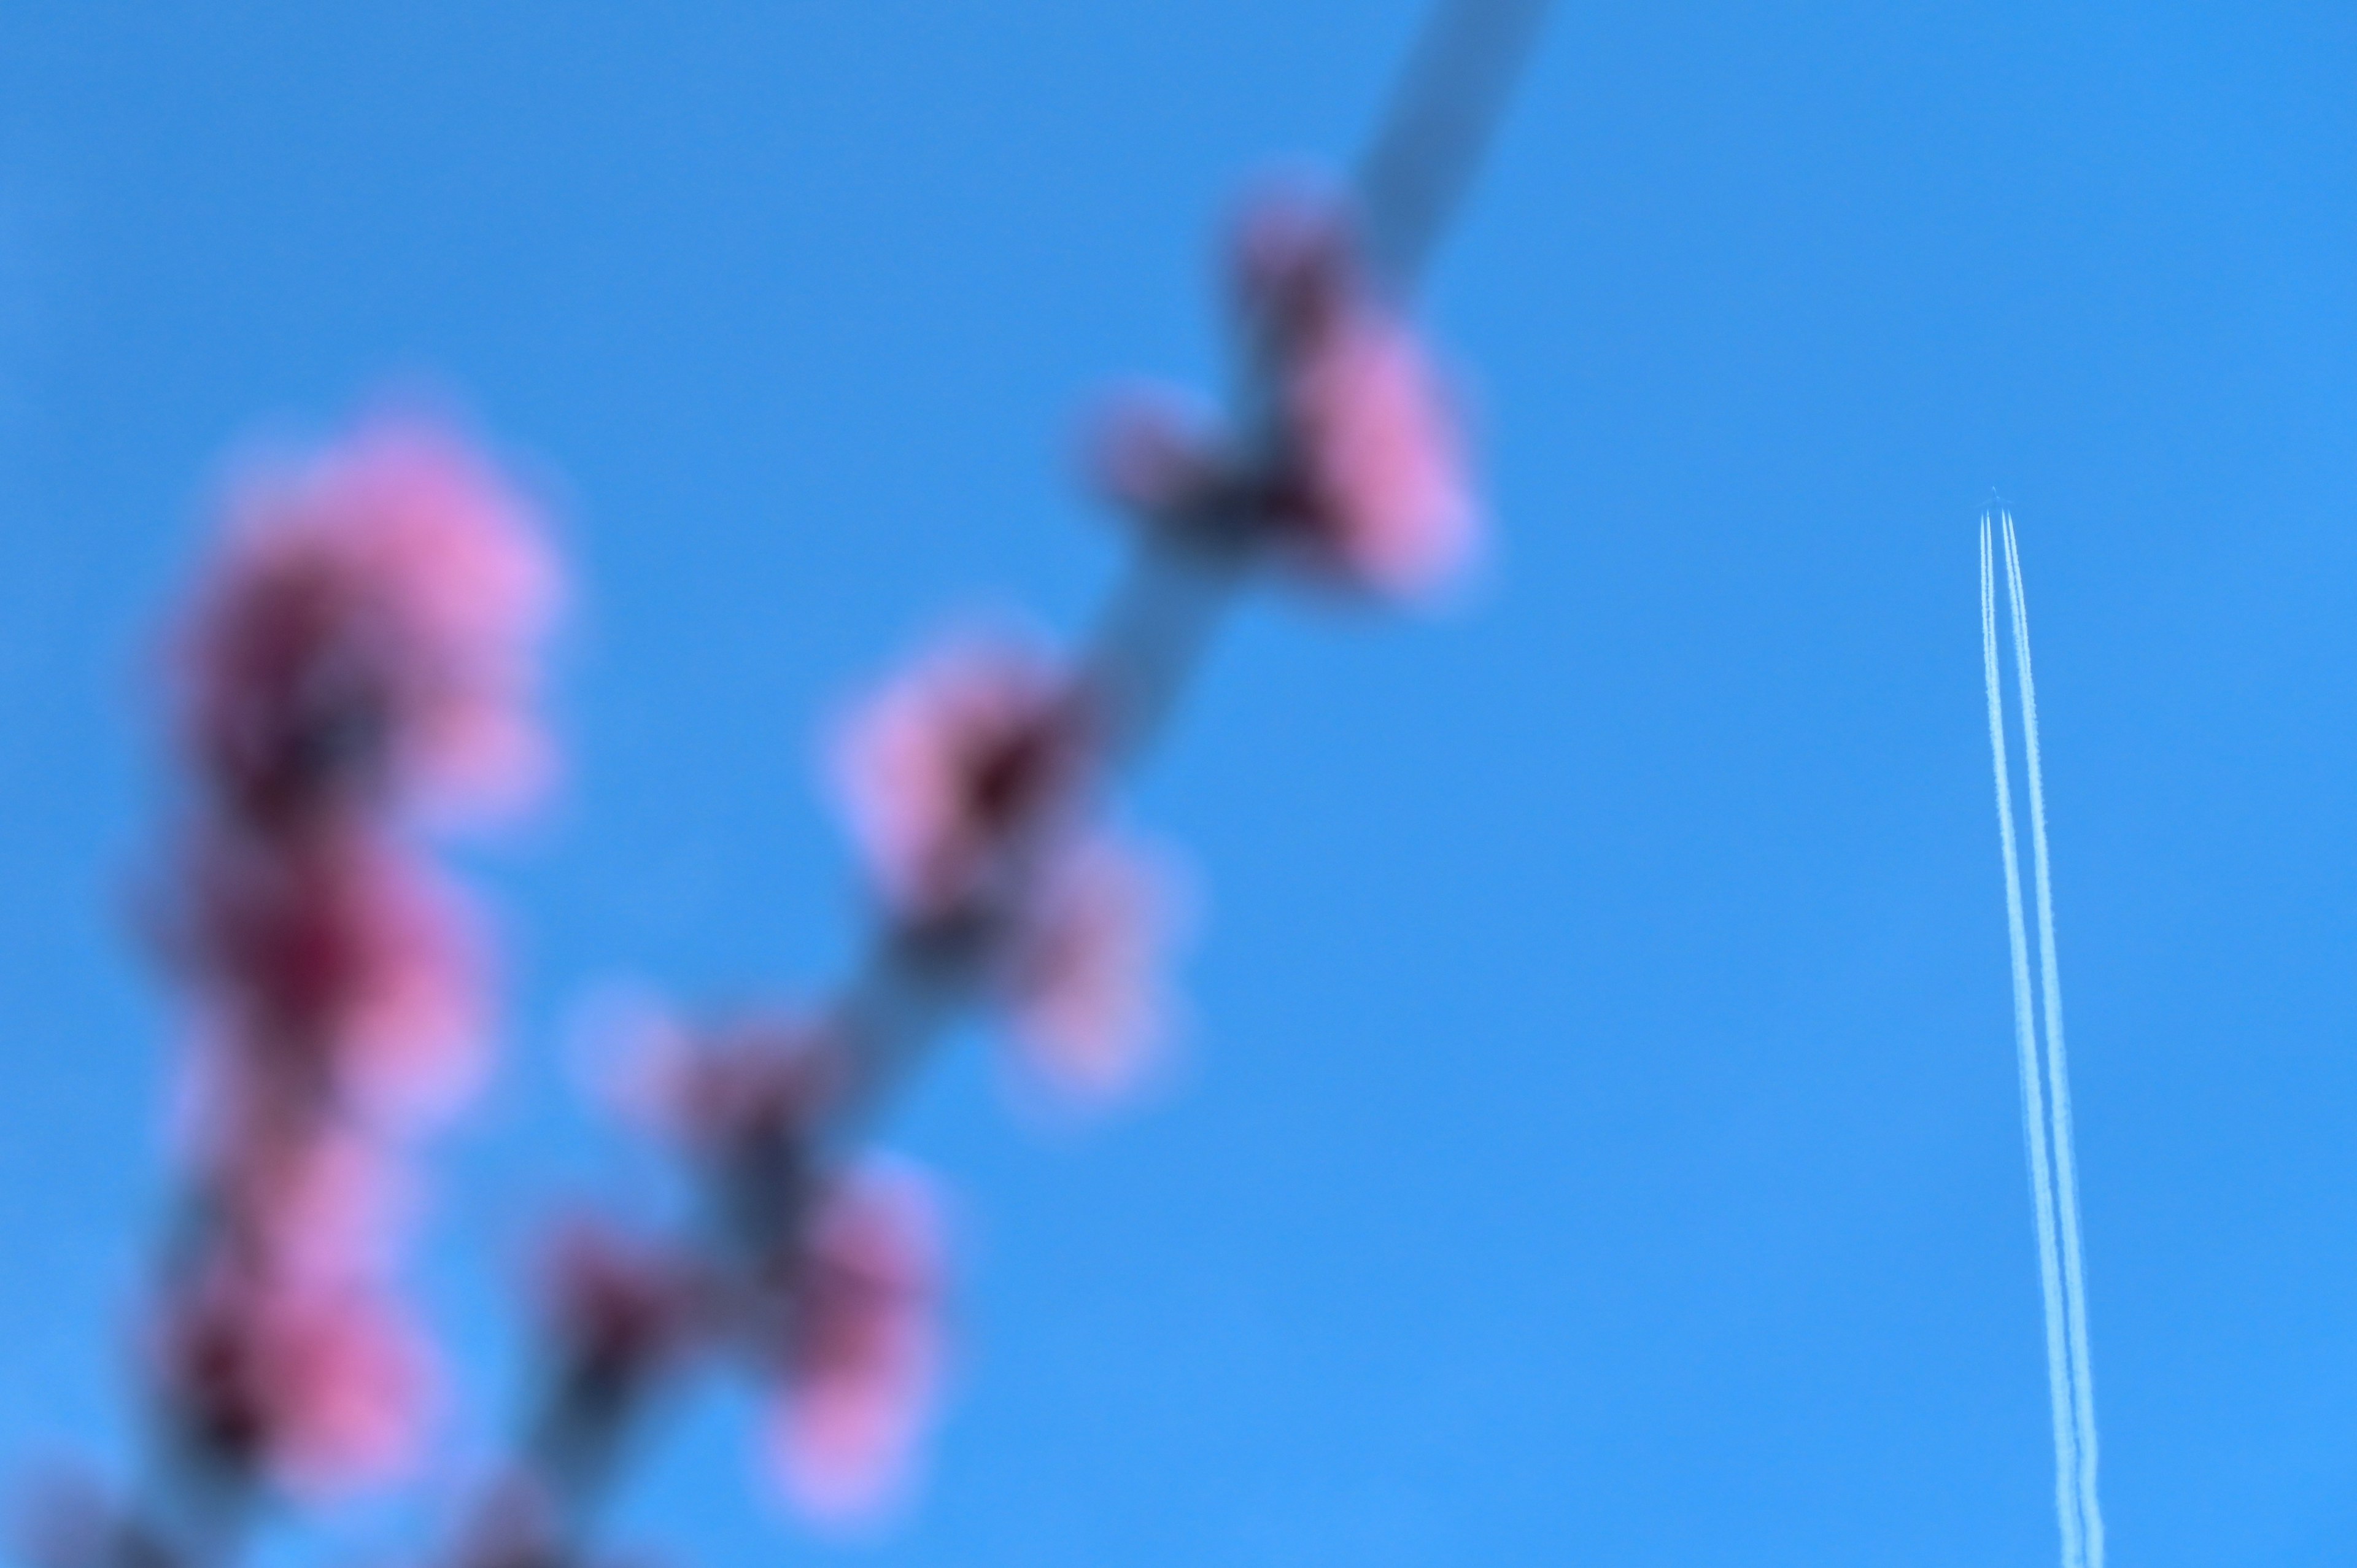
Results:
2033 1108
2058 1072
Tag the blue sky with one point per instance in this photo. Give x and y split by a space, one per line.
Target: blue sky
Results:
1598 1140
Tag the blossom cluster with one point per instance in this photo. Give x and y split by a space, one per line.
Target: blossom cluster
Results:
359 660
1348 462
821 1277
359 666
973 785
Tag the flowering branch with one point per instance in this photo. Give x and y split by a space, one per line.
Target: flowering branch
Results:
973 785
360 656
358 662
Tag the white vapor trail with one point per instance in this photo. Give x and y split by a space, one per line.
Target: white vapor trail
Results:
2059 1380
2058 1072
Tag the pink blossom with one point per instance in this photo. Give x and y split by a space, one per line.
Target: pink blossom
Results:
369 629
719 1091
864 1353
1375 471
1082 975
332 956
1385 469
315 1203
623 1308
1352 466
360 652
324 1384
953 767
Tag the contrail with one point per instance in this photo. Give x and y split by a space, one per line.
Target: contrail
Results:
2057 1071
2033 1103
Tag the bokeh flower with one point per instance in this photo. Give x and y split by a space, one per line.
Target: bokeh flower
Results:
1082 978
324 1385
623 1309
333 955
1371 468
1347 462
359 659
955 768
369 630
863 1353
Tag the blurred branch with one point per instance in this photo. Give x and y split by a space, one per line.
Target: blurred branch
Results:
1437 128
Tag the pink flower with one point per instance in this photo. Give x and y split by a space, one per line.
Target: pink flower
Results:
1384 469
864 1352
316 1203
369 630
361 651
724 1091
623 1309
1081 976
962 782
1352 465
322 1384
1373 469
332 956
954 769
